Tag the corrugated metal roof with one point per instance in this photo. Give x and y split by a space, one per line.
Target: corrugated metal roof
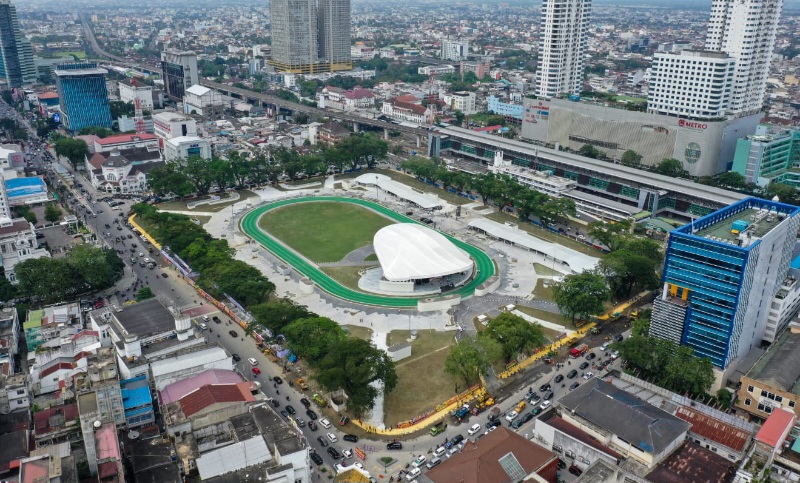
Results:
177 390
234 457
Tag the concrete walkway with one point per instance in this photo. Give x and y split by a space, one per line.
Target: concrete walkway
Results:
375 417
354 258
543 323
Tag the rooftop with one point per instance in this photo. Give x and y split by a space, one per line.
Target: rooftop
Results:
146 318
14 447
252 474
582 436
135 392
714 429
776 427
177 390
205 396
276 431
498 457
633 420
151 460
755 217
408 251
779 367
237 456
125 138
692 463
55 418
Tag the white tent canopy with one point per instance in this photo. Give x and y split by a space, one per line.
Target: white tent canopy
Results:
385 183
575 260
408 251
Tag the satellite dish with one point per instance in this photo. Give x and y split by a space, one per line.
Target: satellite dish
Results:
97 424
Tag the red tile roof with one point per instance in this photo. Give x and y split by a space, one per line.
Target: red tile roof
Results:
209 394
85 333
107 469
97 160
714 429
478 462
359 92
415 108
410 98
488 128
125 138
582 436
776 427
47 95
55 367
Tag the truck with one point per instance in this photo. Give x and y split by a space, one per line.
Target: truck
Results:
461 412
438 428
319 400
578 351
301 383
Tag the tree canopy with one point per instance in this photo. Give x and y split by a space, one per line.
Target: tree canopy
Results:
471 357
581 295
75 150
514 334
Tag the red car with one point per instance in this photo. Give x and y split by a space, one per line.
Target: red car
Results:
256 371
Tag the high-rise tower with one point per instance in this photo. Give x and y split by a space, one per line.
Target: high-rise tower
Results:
745 30
16 54
82 95
310 36
562 45
179 70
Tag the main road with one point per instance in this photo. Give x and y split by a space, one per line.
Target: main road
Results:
484 265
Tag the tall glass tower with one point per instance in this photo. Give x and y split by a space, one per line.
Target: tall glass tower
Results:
16 54
721 273
83 95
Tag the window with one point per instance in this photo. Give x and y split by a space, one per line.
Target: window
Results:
512 467
791 404
20 392
747 402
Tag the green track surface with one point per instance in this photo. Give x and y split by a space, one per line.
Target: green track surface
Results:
249 225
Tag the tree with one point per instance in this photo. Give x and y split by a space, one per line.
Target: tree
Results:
52 212
198 173
353 365
459 118
277 315
631 158
731 180
725 397
312 338
612 235
97 268
514 334
785 193
7 290
688 373
121 108
591 152
581 295
169 179
625 270
469 77
75 150
24 211
47 280
641 325
143 294
471 357
671 167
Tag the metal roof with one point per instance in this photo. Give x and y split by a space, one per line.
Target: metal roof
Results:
408 251
227 459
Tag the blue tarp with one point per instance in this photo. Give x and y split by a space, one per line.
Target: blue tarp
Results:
796 264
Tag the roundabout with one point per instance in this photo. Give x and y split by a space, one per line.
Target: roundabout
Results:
250 225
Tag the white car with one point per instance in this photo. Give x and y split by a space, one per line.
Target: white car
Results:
332 437
511 416
474 429
420 459
413 473
614 355
347 454
439 451
324 423
453 451
588 375
252 361
545 405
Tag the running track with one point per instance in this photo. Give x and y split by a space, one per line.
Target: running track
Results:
249 225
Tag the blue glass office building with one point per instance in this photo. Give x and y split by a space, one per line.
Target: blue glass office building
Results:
720 275
82 95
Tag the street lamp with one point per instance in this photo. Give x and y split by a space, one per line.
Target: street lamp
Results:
377 196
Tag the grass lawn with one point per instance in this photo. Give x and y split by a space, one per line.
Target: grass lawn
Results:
371 258
181 205
323 232
427 341
546 235
544 270
422 385
78 53
347 276
543 315
202 219
359 332
543 293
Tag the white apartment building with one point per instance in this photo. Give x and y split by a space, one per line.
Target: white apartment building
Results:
454 50
168 125
436 70
182 147
745 30
694 84
129 91
202 101
461 101
784 306
541 181
562 45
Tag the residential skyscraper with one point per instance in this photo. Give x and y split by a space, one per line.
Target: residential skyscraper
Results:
745 30
310 36
16 54
334 34
721 273
82 95
562 45
742 30
179 71
456 50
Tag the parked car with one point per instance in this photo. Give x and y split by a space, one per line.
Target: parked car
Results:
332 437
351 438
571 374
290 410
511 416
574 385
474 429
317 459
312 425
311 414
256 371
305 402
322 441
559 378
590 356
236 357
233 333
544 387
334 454
394 445
522 420
583 366
277 380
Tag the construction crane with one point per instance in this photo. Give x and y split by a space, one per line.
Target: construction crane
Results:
138 115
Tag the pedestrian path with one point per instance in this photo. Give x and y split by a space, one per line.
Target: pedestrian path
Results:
543 323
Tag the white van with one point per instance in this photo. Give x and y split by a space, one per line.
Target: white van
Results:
324 423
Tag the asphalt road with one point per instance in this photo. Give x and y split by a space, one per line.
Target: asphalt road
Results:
484 264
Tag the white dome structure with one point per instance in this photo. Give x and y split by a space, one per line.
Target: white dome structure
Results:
408 251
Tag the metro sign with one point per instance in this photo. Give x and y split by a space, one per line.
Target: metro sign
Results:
692 124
